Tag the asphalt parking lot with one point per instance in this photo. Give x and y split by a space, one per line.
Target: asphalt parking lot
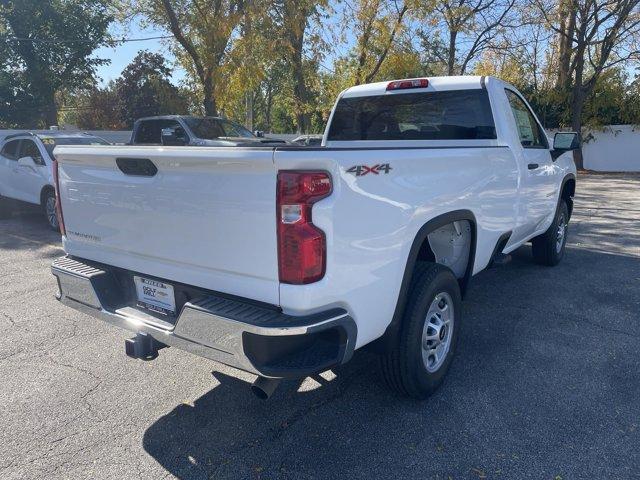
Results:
546 384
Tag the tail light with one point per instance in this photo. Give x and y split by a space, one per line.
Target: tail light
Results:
301 245
56 184
406 84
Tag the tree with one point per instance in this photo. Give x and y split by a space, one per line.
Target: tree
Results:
293 19
378 23
144 89
96 109
49 44
205 31
594 36
479 22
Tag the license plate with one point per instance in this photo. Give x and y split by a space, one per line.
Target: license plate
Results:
155 296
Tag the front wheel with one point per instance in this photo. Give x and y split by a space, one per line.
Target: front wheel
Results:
417 364
548 248
49 208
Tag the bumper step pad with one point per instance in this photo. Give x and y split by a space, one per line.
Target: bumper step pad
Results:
254 337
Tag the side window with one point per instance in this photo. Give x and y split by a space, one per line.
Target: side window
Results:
145 132
150 131
168 124
531 135
30 149
10 150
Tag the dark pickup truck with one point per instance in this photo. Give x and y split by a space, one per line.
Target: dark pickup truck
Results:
180 130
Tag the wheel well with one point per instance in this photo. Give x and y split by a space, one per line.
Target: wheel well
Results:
568 191
425 249
46 189
448 245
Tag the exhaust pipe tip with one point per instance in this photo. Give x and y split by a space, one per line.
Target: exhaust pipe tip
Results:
264 387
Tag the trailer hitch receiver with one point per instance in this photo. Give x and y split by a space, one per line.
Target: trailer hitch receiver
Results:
142 346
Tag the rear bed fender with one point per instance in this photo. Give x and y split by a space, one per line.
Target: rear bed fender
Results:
386 341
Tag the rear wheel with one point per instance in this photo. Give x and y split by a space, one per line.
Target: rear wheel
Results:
428 335
49 208
548 248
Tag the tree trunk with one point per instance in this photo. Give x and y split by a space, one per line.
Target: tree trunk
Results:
568 27
249 104
451 62
209 100
299 96
578 96
267 112
299 87
50 113
577 105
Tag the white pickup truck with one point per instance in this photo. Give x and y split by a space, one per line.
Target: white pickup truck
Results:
281 261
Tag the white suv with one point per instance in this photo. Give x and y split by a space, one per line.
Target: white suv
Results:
25 168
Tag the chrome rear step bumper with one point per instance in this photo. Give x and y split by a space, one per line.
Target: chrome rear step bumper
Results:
253 337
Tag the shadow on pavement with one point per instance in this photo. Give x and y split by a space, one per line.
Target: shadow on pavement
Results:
544 382
23 227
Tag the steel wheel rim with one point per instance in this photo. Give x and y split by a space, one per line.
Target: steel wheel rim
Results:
561 233
437 332
50 208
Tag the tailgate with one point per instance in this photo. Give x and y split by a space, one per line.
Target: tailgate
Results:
207 217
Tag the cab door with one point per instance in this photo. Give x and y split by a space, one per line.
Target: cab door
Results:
538 170
8 160
28 180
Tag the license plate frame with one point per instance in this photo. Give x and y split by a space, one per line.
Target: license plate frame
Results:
155 295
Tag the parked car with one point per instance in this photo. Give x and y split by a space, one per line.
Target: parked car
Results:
25 167
282 261
308 140
181 130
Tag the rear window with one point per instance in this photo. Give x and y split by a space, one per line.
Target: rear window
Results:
447 115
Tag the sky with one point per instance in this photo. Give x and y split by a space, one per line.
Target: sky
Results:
122 55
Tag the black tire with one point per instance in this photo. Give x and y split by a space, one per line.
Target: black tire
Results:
548 248
49 199
404 369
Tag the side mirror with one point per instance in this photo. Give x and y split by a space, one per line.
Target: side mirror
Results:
28 162
259 133
564 142
173 136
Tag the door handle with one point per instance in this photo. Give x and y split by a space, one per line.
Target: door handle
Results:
533 166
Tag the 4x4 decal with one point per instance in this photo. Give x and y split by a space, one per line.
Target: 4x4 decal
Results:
361 170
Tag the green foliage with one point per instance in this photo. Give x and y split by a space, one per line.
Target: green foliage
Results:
280 64
144 89
46 47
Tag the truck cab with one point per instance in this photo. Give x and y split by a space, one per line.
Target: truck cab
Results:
188 130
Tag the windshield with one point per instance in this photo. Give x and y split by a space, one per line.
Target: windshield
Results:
51 142
211 128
